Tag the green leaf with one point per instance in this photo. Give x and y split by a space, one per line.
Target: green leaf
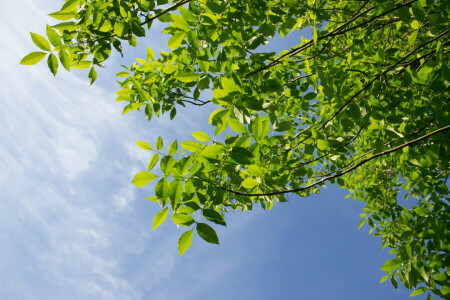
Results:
176 191
237 126
70 5
180 22
32 58
384 278
176 40
52 63
187 77
53 36
173 148
212 151
201 136
160 218
64 58
403 13
419 291
445 290
391 265
207 233
144 145
137 29
394 282
63 16
121 28
322 145
81 64
283 126
361 223
249 183
40 41
159 143
214 216
169 69
183 219
186 14
191 146
143 178
162 190
167 163
153 161
185 241
216 7
92 75
150 54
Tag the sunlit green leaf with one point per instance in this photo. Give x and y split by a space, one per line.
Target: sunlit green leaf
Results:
201 136
143 178
185 241
160 218
40 41
33 58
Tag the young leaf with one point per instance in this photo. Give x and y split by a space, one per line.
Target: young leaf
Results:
180 22
322 145
176 40
70 5
191 146
160 218
212 151
32 58
40 41
52 63
159 143
80 65
182 219
121 28
207 233
64 58
176 190
173 148
92 75
62 16
150 54
187 77
237 126
249 183
391 265
185 241
201 136
162 191
361 223
143 178
144 145
53 36
419 291
153 161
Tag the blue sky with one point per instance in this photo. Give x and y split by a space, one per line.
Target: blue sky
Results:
72 226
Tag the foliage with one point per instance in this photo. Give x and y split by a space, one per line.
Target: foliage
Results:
363 104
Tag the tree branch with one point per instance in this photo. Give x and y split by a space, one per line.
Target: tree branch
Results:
440 130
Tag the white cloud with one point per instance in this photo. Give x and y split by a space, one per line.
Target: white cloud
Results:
75 152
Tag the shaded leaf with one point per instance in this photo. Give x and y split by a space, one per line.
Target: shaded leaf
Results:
207 233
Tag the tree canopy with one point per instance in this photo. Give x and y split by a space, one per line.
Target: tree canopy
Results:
362 104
